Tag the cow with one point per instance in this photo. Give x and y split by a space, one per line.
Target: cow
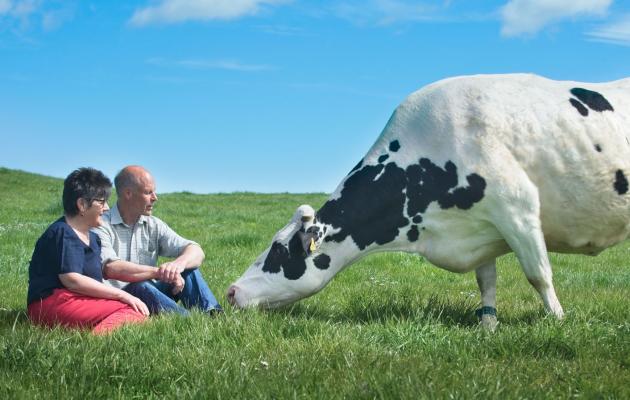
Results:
468 169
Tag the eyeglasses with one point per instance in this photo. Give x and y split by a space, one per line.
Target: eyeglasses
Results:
100 202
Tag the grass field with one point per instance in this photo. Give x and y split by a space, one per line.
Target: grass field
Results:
391 326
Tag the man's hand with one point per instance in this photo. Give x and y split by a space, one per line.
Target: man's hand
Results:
169 272
178 285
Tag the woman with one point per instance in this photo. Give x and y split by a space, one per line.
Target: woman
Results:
65 277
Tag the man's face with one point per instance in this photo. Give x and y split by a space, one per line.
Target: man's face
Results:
143 196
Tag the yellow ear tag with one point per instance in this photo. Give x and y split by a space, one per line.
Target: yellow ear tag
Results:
312 247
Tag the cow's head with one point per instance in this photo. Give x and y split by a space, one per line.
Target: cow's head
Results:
290 269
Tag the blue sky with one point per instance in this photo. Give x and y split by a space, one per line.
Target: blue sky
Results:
262 95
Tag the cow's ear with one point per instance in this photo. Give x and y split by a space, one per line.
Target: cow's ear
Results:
309 241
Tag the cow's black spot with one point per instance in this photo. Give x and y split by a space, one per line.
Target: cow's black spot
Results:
465 198
356 167
412 234
277 254
322 261
371 206
579 106
621 183
394 146
383 158
369 210
429 183
593 100
290 260
598 148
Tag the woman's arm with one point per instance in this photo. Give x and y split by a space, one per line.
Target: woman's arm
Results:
84 285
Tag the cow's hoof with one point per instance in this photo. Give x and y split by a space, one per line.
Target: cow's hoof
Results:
489 322
488 318
557 312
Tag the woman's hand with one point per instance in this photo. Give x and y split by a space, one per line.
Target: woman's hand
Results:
87 286
135 303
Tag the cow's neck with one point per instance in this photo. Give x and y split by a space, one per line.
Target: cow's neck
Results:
331 258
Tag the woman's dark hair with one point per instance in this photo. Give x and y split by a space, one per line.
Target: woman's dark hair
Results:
87 183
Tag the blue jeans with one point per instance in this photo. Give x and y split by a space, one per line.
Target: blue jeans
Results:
158 297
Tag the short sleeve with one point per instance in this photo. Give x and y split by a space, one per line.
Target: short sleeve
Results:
108 254
72 254
170 243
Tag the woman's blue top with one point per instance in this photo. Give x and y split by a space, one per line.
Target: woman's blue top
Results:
59 251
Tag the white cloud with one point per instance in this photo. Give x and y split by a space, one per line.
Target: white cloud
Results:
23 14
617 32
53 19
24 8
385 12
282 30
222 64
19 8
176 11
5 6
211 64
522 17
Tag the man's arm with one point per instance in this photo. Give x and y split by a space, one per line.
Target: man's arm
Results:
129 272
126 271
191 257
114 267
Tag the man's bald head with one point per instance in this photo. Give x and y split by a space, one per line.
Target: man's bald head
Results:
130 177
136 193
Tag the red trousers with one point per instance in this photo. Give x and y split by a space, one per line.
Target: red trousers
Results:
73 310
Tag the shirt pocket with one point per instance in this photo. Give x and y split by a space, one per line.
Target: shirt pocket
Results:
148 257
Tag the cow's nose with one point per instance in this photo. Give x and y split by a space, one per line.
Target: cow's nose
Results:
231 293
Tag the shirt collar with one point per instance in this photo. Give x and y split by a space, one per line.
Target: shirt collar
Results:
117 219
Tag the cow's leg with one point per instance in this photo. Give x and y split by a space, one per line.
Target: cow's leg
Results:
515 211
524 235
487 281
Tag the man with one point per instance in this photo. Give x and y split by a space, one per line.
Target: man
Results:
132 239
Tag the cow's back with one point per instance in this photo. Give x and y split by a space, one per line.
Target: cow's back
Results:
559 135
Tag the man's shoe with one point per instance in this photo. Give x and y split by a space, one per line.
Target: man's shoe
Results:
213 312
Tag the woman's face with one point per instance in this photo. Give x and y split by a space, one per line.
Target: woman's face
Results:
93 214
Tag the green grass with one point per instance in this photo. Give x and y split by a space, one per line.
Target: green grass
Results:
392 326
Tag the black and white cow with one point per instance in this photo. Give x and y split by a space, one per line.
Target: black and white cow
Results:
468 169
